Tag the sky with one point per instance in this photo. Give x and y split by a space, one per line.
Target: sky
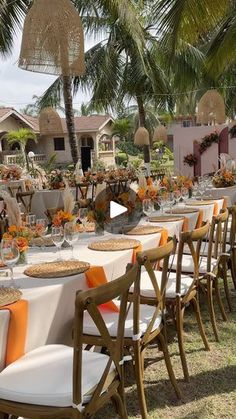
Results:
18 86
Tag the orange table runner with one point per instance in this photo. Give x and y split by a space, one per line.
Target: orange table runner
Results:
17 330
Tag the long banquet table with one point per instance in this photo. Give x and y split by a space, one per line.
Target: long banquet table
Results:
51 301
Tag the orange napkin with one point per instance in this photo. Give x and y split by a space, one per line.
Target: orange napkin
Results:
95 277
216 209
135 251
200 219
164 237
225 203
185 226
17 330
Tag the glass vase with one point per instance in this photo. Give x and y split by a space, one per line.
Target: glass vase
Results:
23 258
99 228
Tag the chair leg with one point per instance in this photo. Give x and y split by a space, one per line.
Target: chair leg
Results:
211 308
171 374
179 324
219 300
226 288
139 380
119 406
232 266
197 312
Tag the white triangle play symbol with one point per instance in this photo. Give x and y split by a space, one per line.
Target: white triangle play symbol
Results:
116 209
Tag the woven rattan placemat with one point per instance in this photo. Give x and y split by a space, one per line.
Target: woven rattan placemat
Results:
57 269
9 296
113 245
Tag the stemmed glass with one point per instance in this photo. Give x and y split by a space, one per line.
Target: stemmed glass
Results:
177 196
41 228
30 221
10 254
71 235
83 216
162 199
171 200
194 190
184 194
148 207
58 239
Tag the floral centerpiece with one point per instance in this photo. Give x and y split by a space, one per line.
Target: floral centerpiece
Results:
223 178
61 218
22 235
184 182
190 159
11 172
98 214
55 179
147 189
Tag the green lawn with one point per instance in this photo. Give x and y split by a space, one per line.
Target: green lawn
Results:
211 392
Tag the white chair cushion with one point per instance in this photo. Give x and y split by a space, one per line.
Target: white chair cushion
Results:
111 320
44 376
146 287
204 248
187 264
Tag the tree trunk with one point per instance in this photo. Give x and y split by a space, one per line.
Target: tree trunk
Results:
70 122
142 123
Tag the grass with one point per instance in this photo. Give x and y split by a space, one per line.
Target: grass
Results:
211 392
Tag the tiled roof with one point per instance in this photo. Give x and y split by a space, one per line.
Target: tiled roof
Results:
87 123
90 123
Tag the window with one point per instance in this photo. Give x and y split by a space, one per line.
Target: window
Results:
59 144
87 142
186 123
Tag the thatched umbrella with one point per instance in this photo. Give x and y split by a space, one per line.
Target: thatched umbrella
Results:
160 134
142 137
211 108
53 43
50 122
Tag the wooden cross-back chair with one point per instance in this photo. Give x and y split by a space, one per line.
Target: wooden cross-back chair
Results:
113 186
14 189
231 240
182 286
25 198
143 325
65 382
83 189
213 265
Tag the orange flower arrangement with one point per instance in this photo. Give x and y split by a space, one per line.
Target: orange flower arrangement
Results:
22 236
61 218
223 178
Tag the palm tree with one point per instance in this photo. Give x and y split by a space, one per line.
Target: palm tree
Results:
21 137
11 14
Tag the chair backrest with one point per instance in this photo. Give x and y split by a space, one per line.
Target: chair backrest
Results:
193 240
14 189
232 234
89 301
26 199
149 259
217 237
83 189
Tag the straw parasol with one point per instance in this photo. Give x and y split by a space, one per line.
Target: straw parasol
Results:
211 108
160 134
50 122
53 40
141 137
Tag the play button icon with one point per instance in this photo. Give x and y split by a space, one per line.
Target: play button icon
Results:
116 209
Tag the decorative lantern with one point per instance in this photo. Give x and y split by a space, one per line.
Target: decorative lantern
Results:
53 40
50 122
160 134
141 137
211 108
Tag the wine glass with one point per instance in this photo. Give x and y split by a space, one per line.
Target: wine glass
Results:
10 254
30 221
71 235
148 207
195 190
184 194
41 228
177 196
171 200
162 199
83 216
58 239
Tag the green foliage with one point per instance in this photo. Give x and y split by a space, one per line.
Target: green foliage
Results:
98 165
135 163
51 163
121 159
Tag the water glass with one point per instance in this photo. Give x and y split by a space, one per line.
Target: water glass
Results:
71 235
30 221
10 254
41 228
58 239
148 207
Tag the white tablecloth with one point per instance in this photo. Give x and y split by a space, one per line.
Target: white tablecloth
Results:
219 192
51 301
42 200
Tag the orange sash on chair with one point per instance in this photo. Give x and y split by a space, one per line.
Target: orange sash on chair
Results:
225 202
199 219
216 209
185 226
135 251
17 330
95 277
164 237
